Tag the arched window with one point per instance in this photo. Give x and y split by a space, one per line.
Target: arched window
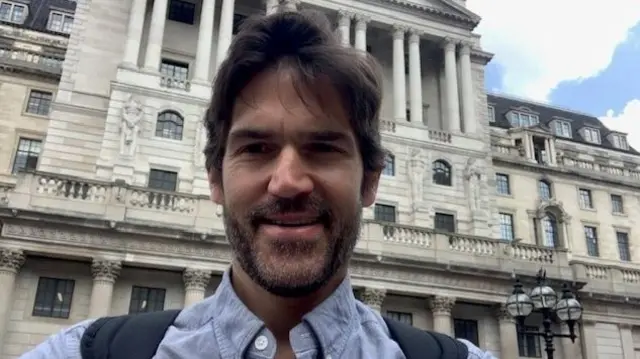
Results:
169 125
389 165
441 173
549 230
544 190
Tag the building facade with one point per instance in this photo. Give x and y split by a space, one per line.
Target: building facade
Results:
105 210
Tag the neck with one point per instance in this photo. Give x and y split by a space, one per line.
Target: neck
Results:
279 314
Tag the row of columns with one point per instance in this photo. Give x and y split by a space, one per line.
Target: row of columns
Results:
441 308
415 72
105 273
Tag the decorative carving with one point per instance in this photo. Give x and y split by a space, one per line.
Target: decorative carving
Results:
414 36
473 178
196 279
361 22
441 305
502 314
130 126
198 148
105 270
450 44
344 18
417 168
556 206
398 32
373 297
465 48
11 260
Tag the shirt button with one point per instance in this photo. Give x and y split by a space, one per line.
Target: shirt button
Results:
261 342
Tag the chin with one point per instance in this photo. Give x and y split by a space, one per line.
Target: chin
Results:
293 278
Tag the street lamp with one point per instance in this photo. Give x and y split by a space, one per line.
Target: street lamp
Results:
544 300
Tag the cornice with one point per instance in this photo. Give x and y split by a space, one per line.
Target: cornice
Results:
185 98
469 22
430 145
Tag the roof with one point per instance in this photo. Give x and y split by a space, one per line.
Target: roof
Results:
546 113
39 13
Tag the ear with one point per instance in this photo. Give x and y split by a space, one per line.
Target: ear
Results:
370 187
215 187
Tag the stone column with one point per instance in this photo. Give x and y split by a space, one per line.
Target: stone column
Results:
570 349
104 273
468 100
399 76
203 51
508 333
134 33
361 32
195 283
11 260
415 78
226 30
450 69
344 26
373 297
156 35
589 339
441 309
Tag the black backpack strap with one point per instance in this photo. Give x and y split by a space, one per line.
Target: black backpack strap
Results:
135 336
418 344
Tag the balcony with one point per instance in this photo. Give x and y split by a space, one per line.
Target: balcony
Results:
23 60
619 279
420 132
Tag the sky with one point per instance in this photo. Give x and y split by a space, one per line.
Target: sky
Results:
576 54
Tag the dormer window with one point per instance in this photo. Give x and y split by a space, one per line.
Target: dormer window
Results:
13 12
522 119
60 22
591 135
562 128
491 113
619 141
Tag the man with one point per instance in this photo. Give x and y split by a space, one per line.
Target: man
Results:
293 155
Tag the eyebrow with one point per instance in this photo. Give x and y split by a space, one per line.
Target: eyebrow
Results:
258 134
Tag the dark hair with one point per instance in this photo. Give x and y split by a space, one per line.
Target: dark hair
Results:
305 44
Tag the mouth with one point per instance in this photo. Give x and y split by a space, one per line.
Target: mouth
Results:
292 228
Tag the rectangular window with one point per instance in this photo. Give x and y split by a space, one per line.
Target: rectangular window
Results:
591 236
174 69
13 12
39 102
389 165
145 300
466 329
181 11
620 141
506 227
617 205
522 119
27 155
562 128
53 297
591 135
444 222
491 113
402 317
586 200
60 22
163 180
502 184
384 213
623 246
529 344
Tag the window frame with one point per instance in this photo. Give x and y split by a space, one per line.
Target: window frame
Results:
16 151
27 102
48 307
162 291
64 15
13 5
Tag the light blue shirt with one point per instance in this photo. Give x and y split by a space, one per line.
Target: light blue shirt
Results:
222 327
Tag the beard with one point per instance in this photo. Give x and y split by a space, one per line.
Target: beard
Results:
292 268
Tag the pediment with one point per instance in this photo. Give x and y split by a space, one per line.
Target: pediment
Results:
539 128
447 9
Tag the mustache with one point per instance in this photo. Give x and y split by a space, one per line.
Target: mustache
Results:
278 206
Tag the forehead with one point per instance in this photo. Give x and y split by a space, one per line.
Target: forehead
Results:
277 100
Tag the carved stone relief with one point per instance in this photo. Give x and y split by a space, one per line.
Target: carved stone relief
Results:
132 113
196 279
416 169
105 270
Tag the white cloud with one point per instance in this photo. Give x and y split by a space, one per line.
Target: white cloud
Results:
540 43
628 121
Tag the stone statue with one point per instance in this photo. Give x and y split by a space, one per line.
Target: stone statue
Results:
130 126
198 148
473 176
416 176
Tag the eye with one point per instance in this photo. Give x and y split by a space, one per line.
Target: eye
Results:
256 148
323 147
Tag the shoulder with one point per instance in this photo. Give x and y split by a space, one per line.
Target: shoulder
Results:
62 345
475 352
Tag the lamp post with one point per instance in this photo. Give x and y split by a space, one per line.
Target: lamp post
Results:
544 300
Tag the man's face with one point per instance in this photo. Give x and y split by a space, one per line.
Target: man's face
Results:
292 185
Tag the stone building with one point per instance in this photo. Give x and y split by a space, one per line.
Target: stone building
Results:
105 211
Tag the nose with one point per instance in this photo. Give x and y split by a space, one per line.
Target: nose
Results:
290 177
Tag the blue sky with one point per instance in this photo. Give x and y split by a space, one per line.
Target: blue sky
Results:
583 55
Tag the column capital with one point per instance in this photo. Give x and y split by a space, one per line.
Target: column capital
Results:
105 270
441 304
414 36
196 278
501 312
11 260
373 297
344 17
361 22
450 43
398 32
465 47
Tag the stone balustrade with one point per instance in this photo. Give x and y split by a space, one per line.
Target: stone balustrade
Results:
623 279
31 61
115 203
420 132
